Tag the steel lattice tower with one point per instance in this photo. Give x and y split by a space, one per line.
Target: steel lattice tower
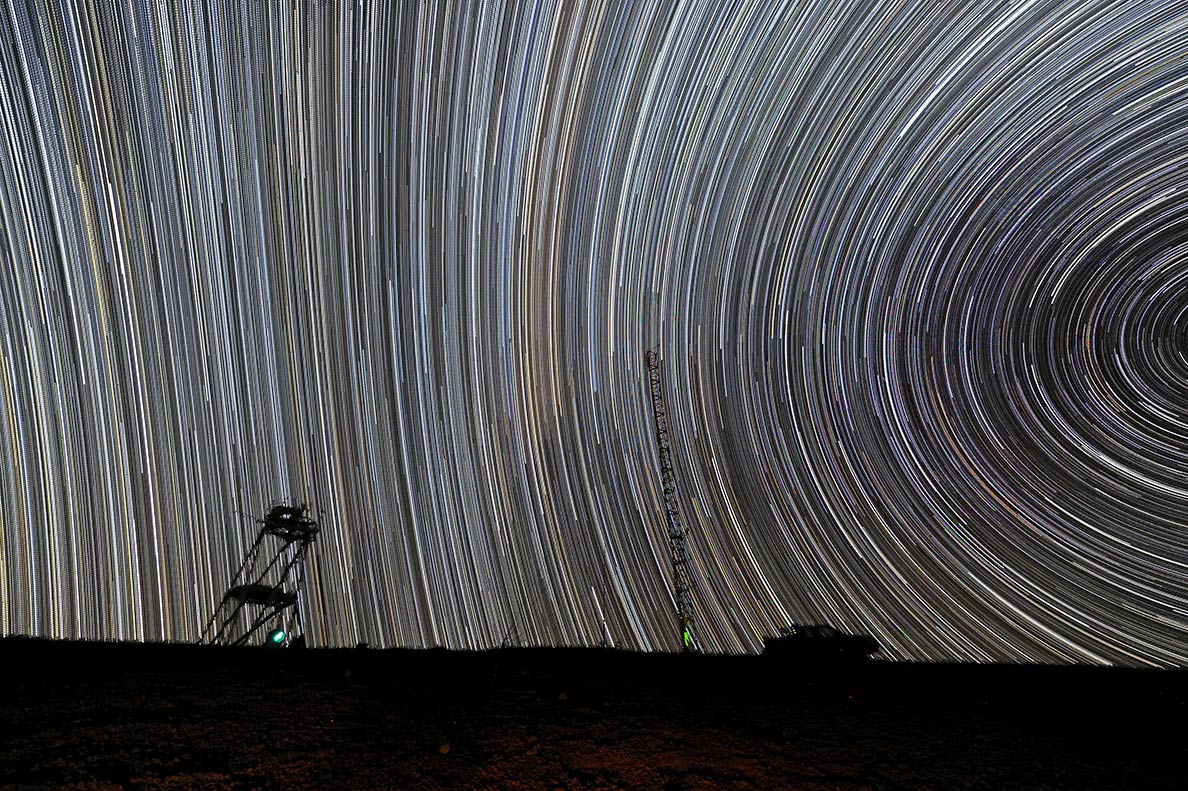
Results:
677 532
263 593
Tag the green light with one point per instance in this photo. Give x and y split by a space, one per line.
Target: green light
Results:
277 636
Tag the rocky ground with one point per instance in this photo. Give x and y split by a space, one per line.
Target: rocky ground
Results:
107 716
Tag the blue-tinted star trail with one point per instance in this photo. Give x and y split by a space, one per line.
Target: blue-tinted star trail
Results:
918 273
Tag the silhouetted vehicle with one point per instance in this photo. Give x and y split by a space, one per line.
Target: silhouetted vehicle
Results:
819 642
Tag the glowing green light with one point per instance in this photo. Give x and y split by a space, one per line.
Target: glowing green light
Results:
277 636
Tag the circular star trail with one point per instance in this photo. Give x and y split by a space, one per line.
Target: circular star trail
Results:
918 274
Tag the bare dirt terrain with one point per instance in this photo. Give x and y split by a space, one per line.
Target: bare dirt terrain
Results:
119 716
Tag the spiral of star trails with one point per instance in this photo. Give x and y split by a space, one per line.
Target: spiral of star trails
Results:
918 274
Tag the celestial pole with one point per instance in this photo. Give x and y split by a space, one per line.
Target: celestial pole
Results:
918 272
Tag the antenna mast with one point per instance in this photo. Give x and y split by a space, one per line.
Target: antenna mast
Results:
677 532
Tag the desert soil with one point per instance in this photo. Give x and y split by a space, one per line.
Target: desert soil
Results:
101 716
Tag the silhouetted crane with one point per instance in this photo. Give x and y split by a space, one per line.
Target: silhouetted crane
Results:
677 532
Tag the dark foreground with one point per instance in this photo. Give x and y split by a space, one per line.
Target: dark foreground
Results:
111 716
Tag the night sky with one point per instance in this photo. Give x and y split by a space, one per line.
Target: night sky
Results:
918 274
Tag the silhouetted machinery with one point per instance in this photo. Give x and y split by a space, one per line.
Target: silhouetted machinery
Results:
677 532
819 642
264 595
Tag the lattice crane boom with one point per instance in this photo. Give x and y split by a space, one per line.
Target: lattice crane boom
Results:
677 531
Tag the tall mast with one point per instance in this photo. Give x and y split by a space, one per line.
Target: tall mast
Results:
677 532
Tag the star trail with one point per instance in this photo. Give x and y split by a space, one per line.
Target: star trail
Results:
918 274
